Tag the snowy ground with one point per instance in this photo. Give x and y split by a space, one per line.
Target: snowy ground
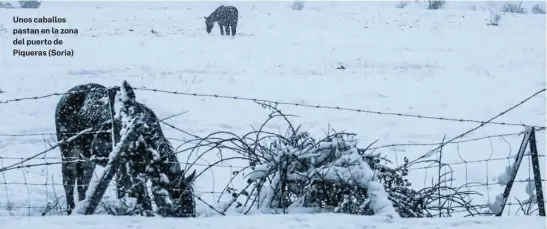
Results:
319 221
445 63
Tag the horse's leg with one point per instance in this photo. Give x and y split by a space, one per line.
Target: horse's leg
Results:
78 154
164 190
164 209
123 181
68 170
233 27
221 26
227 29
85 170
142 196
141 193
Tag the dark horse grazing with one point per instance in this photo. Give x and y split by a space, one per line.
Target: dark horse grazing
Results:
92 106
226 16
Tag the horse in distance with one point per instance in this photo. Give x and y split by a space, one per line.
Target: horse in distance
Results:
226 16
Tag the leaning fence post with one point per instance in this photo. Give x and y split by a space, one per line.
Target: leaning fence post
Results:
96 191
515 168
537 173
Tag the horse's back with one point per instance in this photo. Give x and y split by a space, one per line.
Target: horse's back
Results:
227 13
79 102
75 96
232 11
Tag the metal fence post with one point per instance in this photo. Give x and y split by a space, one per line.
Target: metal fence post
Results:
515 168
537 173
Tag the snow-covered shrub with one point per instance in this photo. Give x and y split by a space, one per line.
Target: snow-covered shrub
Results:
407 201
401 5
473 8
513 8
494 19
6 5
536 9
329 174
30 4
436 4
295 172
298 5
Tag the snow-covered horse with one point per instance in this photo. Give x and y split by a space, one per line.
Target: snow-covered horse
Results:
92 106
226 16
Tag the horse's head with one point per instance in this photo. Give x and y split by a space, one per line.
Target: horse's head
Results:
182 194
208 24
182 184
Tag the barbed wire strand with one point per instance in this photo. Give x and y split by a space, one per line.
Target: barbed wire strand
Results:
336 107
94 132
467 162
293 104
454 142
50 95
478 127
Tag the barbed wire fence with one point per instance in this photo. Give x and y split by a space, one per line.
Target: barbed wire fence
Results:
485 176
50 203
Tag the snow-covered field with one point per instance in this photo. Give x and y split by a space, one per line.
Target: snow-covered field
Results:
318 221
446 63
